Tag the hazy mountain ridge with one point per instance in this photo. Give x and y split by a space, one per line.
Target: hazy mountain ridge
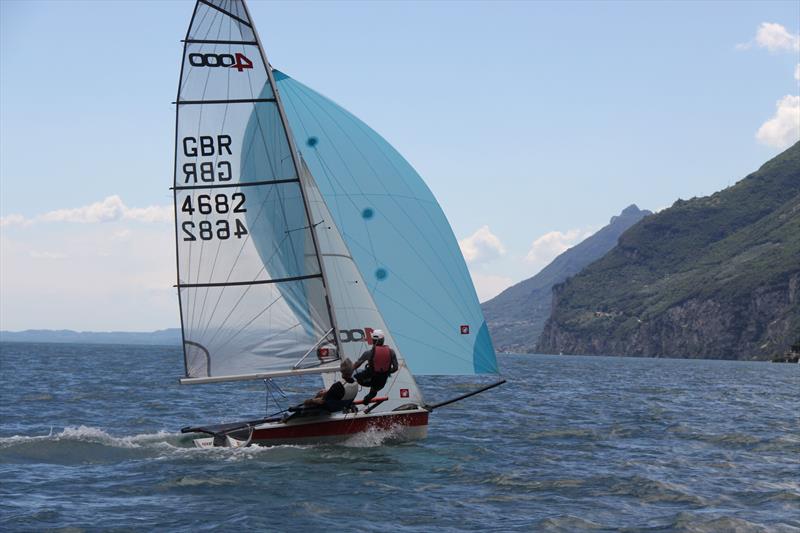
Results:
717 276
164 337
516 316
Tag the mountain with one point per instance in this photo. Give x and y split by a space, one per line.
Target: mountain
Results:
717 276
517 315
166 337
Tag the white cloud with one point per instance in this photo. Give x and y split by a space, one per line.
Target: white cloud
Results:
797 72
13 220
550 245
783 129
110 209
89 279
774 37
153 213
481 246
47 255
488 286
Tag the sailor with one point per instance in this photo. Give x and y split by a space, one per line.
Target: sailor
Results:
381 363
341 394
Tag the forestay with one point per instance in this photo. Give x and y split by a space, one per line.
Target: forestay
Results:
251 286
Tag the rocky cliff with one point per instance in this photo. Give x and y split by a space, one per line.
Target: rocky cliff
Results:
717 276
516 316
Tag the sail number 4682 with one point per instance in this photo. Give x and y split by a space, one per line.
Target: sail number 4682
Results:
207 204
207 231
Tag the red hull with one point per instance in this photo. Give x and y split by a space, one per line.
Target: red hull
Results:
339 428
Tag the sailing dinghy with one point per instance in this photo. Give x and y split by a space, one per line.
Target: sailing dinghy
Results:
299 231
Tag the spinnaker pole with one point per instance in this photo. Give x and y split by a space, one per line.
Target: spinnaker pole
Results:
463 396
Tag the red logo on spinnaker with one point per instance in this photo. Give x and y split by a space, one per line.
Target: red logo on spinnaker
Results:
465 329
404 393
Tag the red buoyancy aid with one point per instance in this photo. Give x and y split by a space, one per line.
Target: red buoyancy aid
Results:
381 359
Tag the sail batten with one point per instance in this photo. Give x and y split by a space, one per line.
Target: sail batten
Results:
263 375
238 101
217 41
228 185
218 7
240 283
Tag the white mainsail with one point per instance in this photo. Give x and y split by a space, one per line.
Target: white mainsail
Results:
253 299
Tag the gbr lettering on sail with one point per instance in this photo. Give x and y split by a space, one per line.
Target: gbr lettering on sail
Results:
209 164
212 205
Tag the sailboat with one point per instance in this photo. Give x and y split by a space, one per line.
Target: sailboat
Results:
300 231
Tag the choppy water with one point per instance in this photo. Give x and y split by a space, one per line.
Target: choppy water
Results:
88 439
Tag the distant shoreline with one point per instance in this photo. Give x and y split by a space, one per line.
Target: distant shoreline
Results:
162 337
172 337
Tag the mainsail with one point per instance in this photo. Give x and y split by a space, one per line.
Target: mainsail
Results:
251 283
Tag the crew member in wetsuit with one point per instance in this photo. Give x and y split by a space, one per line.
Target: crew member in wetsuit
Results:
341 394
381 362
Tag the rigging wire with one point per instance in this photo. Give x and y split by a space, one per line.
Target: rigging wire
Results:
269 385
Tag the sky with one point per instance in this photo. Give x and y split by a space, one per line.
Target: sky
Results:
533 123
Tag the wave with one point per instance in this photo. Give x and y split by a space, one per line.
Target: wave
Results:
86 444
642 488
701 523
567 523
374 437
90 435
516 481
652 490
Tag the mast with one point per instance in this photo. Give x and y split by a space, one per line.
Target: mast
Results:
297 167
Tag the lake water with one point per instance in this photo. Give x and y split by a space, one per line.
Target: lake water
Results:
89 439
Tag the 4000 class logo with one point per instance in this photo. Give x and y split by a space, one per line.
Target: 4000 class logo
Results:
238 61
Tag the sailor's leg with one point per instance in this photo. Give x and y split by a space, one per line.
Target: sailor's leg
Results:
314 402
363 377
370 395
377 383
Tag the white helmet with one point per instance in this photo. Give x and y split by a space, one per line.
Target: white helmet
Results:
377 334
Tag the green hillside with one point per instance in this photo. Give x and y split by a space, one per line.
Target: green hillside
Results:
717 276
517 315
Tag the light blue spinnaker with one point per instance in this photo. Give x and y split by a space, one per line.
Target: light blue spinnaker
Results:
396 233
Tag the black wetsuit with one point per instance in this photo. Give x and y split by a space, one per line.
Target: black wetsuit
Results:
333 397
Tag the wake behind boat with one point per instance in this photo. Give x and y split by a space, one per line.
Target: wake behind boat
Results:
300 232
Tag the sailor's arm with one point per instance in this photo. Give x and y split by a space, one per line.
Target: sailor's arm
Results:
394 365
362 359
